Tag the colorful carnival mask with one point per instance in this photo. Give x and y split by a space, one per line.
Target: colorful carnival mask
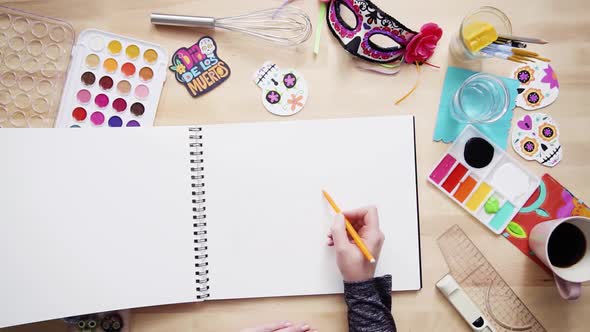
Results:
538 85
371 23
536 137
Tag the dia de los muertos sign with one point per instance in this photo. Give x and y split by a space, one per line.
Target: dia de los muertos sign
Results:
199 68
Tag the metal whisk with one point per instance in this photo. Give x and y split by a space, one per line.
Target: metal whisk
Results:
287 26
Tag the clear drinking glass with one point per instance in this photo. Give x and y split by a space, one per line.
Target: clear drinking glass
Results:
491 15
482 98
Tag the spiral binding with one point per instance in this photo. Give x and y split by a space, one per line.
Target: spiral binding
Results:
199 216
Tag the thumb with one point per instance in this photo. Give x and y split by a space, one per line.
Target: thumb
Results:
339 232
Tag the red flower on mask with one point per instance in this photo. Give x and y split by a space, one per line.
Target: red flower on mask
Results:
422 46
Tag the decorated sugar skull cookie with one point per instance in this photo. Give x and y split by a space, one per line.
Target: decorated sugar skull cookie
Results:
536 137
284 92
539 86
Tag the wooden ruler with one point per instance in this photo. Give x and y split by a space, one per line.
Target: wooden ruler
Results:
482 283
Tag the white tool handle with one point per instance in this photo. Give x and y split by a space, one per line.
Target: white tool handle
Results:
468 310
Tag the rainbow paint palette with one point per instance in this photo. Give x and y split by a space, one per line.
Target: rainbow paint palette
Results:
114 81
483 179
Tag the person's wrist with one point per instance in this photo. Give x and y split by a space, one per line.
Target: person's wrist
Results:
356 280
357 277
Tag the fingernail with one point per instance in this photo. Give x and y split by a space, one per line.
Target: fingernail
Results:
305 328
287 324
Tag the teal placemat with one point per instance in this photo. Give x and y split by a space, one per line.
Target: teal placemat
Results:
447 128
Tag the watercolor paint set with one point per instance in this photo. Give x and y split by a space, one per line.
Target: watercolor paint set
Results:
48 79
113 81
483 179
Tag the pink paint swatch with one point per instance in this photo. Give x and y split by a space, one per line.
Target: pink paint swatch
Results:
142 91
443 168
101 100
83 96
97 118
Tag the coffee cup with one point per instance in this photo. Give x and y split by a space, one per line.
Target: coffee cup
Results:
564 246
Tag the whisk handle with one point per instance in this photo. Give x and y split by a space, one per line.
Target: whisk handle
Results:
183 20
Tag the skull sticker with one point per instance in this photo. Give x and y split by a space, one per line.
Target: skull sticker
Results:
539 86
199 68
207 46
284 92
536 137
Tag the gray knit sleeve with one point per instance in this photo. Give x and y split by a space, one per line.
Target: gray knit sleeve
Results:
369 305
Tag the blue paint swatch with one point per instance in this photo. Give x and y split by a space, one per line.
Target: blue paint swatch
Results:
115 121
502 216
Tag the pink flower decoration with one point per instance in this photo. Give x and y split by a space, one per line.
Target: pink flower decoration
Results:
273 97
290 81
550 78
422 46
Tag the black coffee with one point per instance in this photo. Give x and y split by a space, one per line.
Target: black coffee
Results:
567 245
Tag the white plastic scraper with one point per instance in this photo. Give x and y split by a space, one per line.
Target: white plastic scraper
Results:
468 310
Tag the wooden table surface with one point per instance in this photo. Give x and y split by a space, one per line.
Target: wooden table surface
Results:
338 89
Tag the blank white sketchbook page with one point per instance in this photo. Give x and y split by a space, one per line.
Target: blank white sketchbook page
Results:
94 220
267 220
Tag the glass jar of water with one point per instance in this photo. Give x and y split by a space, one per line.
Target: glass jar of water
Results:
482 98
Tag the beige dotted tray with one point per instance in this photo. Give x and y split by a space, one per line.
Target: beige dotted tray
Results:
34 57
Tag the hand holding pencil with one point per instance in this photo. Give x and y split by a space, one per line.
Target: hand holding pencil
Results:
351 261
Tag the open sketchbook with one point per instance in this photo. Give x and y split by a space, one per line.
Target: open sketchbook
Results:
98 220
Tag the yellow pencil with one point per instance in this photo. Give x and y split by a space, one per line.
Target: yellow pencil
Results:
355 236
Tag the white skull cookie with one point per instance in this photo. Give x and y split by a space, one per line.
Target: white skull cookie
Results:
539 86
536 137
284 92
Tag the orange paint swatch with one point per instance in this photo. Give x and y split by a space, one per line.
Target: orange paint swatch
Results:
146 74
128 69
465 189
110 65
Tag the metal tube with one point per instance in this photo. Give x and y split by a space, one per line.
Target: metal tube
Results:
183 20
